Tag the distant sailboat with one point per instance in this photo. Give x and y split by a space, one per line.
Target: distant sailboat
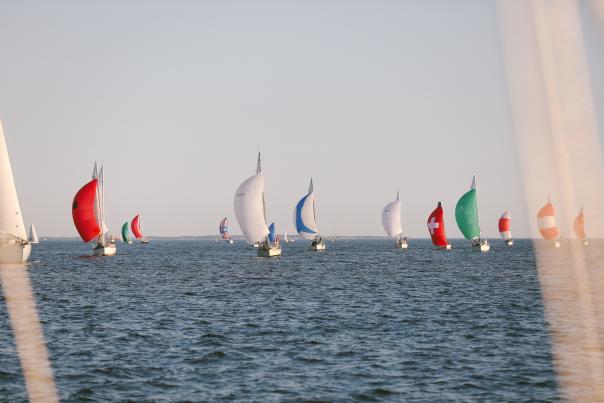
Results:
391 220
579 227
126 233
305 220
250 211
136 229
466 215
14 246
223 227
88 213
33 235
546 222
436 228
504 228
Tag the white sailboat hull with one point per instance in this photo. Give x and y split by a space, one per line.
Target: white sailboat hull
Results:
509 242
269 252
402 244
556 244
14 252
108 250
446 247
318 246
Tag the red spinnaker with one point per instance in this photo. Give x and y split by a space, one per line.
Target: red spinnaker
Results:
136 227
83 213
436 227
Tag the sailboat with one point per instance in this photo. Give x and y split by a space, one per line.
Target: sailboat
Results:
505 222
579 227
126 233
88 215
391 220
33 235
250 211
14 246
223 227
305 220
436 228
136 229
546 222
466 215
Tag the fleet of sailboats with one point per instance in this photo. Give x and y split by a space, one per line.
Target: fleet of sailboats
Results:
306 221
391 220
250 211
466 215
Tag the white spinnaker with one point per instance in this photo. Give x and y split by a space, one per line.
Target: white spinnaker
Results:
307 216
11 221
33 235
249 209
391 219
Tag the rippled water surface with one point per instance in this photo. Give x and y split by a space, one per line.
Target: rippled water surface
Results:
207 321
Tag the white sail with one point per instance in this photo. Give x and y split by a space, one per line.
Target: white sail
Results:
249 208
304 216
33 235
11 221
391 218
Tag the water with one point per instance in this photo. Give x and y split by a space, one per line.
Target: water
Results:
206 321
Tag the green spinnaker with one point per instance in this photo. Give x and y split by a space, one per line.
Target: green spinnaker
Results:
125 233
466 215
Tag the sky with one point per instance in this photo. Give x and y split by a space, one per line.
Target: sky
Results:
177 98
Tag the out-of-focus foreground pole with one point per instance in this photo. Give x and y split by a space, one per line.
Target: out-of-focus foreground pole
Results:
560 154
27 330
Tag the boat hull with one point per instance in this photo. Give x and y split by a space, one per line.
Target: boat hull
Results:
108 250
446 247
401 244
318 246
556 244
509 242
14 252
270 252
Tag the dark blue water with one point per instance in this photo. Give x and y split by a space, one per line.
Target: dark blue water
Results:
206 321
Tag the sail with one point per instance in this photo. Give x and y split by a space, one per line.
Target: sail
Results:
84 213
136 227
33 235
249 207
466 213
505 224
436 227
125 232
391 218
579 226
223 227
11 221
272 233
305 215
546 222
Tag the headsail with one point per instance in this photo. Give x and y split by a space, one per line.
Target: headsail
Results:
391 218
223 227
304 218
579 225
272 233
436 226
505 225
546 221
125 233
466 213
136 227
84 212
249 207
11 221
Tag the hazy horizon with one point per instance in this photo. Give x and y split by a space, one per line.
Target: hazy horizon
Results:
177 100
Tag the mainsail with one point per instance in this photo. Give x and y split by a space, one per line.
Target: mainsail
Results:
125 233
249 207
223 227
466 213
304 217
505 224
136 227
546 221
84 211
579 226
391 218
436 227
11 221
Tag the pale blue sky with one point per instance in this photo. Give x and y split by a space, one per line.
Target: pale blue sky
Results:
177 97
